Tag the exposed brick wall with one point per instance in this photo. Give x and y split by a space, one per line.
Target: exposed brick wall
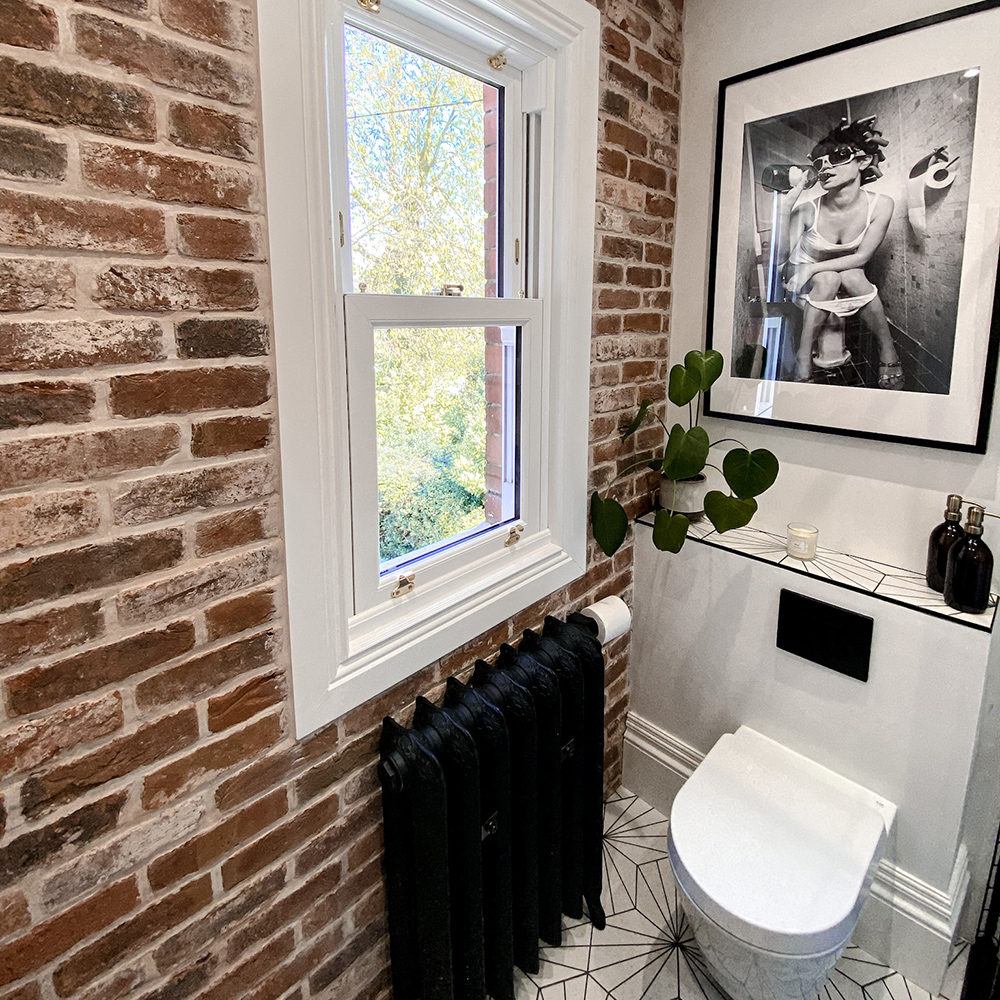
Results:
162 833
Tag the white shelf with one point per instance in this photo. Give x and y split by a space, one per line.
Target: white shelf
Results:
889 583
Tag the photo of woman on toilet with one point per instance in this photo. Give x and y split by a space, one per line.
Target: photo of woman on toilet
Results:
852 232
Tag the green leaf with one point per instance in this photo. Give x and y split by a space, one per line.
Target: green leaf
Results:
669 531
712 369
727 513
749 473
687 452
639 417
609 521
684 385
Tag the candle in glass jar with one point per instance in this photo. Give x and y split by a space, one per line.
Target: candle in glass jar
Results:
801 540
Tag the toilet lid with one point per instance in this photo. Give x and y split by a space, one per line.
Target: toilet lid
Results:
773 847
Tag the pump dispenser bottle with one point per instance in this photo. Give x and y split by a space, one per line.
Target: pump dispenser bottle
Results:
970 568
943 537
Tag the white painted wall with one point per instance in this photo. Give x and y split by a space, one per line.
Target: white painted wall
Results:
867 497
704 661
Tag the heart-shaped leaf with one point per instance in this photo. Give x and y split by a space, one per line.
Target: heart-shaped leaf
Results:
707 365
669 531
639 417
749 473
684 385
727 513
687 452
609 521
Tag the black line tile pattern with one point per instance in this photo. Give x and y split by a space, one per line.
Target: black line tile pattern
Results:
647 950
902 586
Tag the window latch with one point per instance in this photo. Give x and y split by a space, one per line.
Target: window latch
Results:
405 585
448 289
372 5
515 534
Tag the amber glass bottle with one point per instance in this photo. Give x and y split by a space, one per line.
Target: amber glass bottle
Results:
943 537
970 568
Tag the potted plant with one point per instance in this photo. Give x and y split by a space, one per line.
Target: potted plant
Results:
685 456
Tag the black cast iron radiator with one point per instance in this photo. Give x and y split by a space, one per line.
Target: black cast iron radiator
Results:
493 810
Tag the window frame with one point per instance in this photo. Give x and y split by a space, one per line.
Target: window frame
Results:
341 659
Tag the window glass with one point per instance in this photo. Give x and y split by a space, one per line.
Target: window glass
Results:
446 436
424 148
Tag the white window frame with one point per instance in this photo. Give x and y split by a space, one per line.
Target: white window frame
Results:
341 659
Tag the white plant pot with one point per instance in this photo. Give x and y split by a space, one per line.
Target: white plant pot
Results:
689 498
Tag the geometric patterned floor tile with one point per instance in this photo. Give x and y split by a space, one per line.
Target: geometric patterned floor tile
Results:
647 951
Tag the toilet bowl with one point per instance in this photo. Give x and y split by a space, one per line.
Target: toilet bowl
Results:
774 856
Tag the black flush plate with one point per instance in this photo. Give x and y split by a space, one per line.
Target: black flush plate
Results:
825 634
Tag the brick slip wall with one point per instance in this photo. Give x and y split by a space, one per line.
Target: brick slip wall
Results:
162 834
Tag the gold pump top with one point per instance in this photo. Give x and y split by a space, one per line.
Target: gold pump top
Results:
953 512
974 526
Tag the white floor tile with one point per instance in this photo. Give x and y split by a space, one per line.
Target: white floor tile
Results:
647 951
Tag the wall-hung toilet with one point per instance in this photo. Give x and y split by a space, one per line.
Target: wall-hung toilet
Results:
774 856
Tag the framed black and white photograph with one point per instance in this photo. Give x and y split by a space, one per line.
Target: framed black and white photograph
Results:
856 230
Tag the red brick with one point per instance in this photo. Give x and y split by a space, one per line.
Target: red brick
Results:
644 277
54 937
185 682
632 141
212 131
618 298
43 687
657 253
267 921
612 161
163 60
28 153
616 44
647 174
29 283
202 851
210 758
168 178
240 980
372 938
85 456
347 759
229 436
614 104
169 288
35 220
633 371
660 205
47 789
29 991
27 404
38 741
217 21
649 322
188 390
221 338
620 247
210 926
29 25
134 8
190 588
654 66
90 962
240 613
60 574
627 80
285 977
14 913
230 530
347 832
186 982
664 101
605 400
159 497
246 701
37 519
49 632
212 238
76 344
43 845
362 718
50 96
122 983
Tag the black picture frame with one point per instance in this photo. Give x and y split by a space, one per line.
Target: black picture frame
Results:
933 85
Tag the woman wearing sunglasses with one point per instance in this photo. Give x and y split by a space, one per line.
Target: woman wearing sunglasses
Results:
833 237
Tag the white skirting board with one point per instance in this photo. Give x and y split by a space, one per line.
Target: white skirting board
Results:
906 922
